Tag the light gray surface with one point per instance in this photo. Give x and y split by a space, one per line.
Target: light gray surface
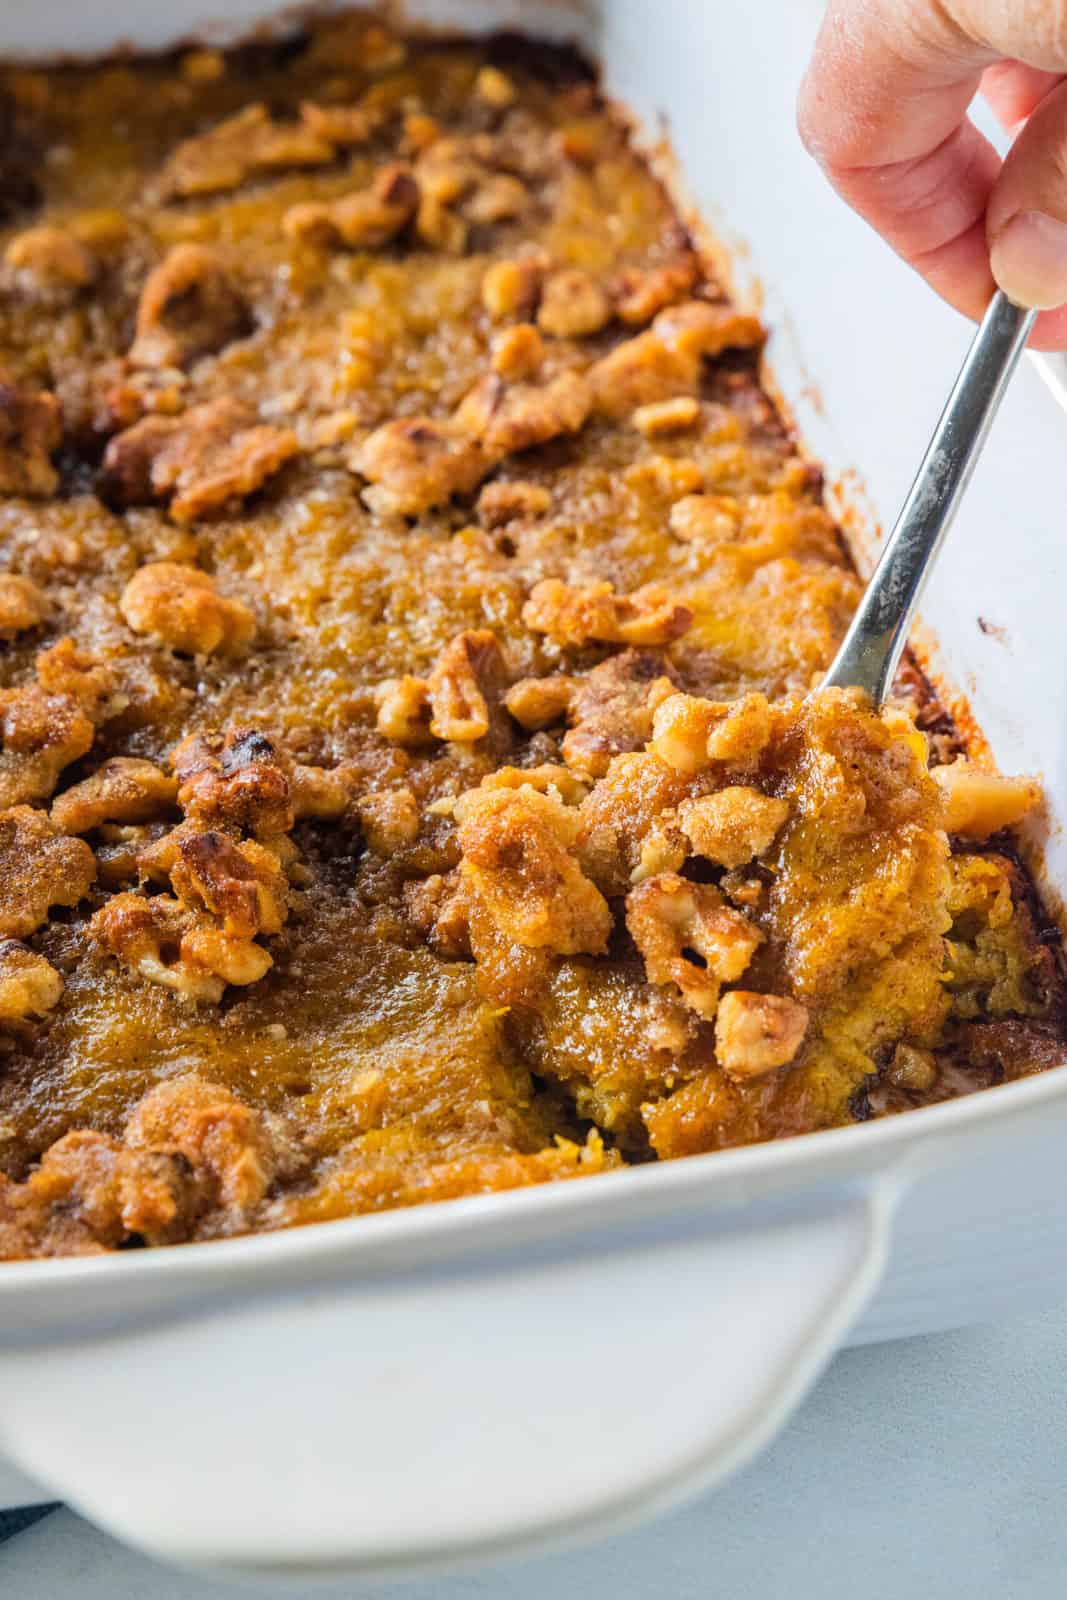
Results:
933 1468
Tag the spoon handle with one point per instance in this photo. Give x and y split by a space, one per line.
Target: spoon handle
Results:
871 649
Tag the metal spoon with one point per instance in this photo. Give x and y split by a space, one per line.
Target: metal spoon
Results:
871 649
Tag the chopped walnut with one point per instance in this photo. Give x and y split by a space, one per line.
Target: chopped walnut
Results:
242 885
50 262
733 825
640 292
404 710
499 197
663 849
494 87
30 986
689 937
980 803
666 361
698 328
517 351
505 419
165 942
690 733
673 477
547 778
517 858
319 791
612 707
343 126
389 819
414 463
575 616
189 307
508 500
705 518
39 868
467 681
513 287
63 669
244 145
180 607
538 702
30 434
667 416
573 305
123 789
40 734
756 1033
208 458
22 605
234 781
364 220
438 226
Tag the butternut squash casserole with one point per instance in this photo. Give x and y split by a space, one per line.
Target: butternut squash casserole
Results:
414 779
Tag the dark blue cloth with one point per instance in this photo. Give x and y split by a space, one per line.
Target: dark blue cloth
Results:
12 1522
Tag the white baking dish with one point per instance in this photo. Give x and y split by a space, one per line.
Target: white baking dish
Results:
455 1382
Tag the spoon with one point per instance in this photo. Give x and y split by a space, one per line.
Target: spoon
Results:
871 649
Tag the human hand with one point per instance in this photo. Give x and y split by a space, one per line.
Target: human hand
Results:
883 108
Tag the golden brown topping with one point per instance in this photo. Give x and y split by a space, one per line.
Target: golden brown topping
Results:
123 789
180 607
517 859
612 707
574 616
980 803
63 669
404 710
234 781
705 518
538 702
49 261
666 361
247 144
667 416
30 986
30 434
733 825
22 605
437 909
343 126
689 937
518 351
366 219
189 307
466 682
509 499
319 791
414 463
504 419
548 778
573 305
755 1033
512 288
39 867
625 805
240 884
639 292
689 733
389 819
40 734
208 459
494 87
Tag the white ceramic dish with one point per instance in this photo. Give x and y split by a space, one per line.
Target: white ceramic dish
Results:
452 1383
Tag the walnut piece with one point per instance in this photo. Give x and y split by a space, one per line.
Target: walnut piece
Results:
466 682
517 351
148 935
241 884
180 607
640 292
50 262
538 702
705 518
508 500
244 145
755 1033
40 734
513 287
733 825
414 463
404 710
611 709
234 781
575 616
690 733
189 307
504 419
206 460
124 789
215 1133
980 803
365 220
30 986
389 819
517 859
39 868
573 305
689 937
30 434
495 88
665 361
667 416
22 605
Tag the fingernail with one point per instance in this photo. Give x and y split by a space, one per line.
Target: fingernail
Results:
1029 260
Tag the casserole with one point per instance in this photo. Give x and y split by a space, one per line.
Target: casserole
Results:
697 1432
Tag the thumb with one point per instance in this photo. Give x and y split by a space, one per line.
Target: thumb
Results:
1026 217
